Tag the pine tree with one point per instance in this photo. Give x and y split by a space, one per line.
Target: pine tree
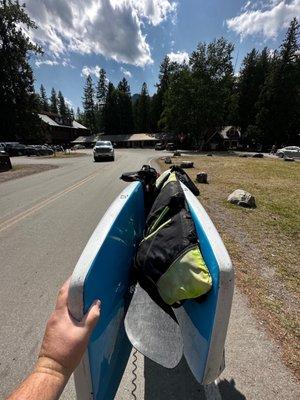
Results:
18 101
89 105
62 108
44 100
101 93
125 107
53 102
167 69
142 111
101 88
252 78
178 114
111 118
213 81
278 117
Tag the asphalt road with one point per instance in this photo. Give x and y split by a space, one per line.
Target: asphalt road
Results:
45 221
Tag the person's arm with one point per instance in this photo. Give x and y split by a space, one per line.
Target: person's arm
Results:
63 346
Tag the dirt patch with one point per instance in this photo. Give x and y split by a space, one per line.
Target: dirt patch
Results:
264 242
19 171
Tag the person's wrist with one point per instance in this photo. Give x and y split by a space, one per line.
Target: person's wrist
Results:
48 366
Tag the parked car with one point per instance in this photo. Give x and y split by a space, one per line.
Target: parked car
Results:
56 147
159 146
171 147
16 149
39 150
289 151
78 147
103 150
2 150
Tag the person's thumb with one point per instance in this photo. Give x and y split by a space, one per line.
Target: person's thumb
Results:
91 317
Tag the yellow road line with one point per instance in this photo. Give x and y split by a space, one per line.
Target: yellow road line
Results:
14 220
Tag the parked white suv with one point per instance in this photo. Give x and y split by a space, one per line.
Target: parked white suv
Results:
289 151
104 150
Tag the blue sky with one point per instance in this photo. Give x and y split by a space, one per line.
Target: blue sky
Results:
131 37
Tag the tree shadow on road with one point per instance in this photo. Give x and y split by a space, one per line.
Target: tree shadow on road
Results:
179 384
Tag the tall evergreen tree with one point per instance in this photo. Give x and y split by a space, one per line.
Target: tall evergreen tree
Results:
252 78
101 88
178 114
278 117
101 92
142 111
53 102
125 107
167 69
213 80
44 100
89 105
111 118
18 104
62 107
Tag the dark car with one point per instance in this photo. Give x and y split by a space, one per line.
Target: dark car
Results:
39 150
159 146
171 146
2 149
16 149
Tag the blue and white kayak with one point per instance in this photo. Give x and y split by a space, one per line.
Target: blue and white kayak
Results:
103 271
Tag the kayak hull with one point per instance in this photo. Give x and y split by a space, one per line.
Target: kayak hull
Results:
103 272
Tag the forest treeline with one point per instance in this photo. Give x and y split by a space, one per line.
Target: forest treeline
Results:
194 98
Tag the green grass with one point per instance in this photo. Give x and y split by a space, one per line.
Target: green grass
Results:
264 243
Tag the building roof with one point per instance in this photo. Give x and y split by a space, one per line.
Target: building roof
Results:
135 137
77 125
50 121
87 139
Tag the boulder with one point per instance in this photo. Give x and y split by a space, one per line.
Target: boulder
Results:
168 160
202 177
258 155
242 198
243 155
209 154
187 164
177 154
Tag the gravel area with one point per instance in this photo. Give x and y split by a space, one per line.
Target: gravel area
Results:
20 170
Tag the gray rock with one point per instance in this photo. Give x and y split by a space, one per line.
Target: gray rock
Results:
202 177
258 155
177 154
187 164
242 198
168 160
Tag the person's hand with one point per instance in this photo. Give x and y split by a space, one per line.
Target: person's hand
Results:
65 339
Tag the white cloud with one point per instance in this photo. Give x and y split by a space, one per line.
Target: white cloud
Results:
112 28
266 18
90 71
65 62
126 73
179 57
38 63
